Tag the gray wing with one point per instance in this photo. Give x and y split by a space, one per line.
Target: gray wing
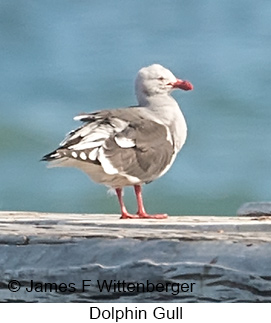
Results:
123 141
150 152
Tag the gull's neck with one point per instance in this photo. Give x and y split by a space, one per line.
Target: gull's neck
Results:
157 100
167 110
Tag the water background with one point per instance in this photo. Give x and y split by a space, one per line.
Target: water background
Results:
61 57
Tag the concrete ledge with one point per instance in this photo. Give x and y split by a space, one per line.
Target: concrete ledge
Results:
226 259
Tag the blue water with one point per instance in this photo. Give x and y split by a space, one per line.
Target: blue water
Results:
61 57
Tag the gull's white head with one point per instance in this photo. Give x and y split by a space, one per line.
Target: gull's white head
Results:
157 80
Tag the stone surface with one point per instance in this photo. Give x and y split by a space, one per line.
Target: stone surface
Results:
255 209
226 259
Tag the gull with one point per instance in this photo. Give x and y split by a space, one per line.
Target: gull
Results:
129 146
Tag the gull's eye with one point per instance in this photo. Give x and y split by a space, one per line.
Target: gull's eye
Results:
161 78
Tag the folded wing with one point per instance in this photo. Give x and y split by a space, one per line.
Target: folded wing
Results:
123 142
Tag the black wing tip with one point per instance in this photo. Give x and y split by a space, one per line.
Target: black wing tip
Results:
49 157
46 158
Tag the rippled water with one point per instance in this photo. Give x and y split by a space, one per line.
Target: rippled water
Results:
59 58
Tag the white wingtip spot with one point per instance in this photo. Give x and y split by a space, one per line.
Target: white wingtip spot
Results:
124 142
93 154
83 156
79 117
107 166
56 155
74 154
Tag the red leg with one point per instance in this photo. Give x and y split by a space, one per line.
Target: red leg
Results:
124 212
141 210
